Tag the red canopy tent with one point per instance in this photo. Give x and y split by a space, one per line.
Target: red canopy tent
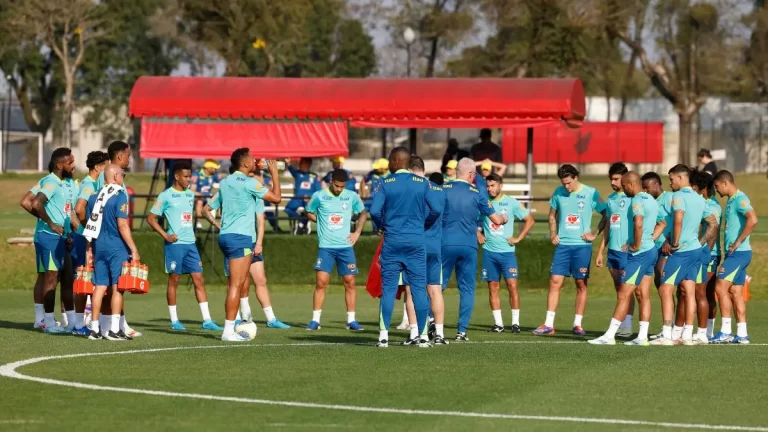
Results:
187 117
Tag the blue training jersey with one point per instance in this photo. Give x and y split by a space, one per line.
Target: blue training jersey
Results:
204 183
574 212
464 204
401 207
109 240
305 183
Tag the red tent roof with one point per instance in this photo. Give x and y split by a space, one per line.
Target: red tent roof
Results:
365 102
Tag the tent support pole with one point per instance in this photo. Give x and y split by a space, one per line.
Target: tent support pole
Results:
529 153
383 143
412 140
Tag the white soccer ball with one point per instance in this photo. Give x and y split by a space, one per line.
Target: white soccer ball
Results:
247 329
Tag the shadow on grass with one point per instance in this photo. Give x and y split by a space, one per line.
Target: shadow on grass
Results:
21 326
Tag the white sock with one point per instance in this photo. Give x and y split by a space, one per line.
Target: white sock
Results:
79 320
245 309
577 320
238 317
677 332
172 311
741 329
115 323
64 320
405 314
105 321
725 326
612 328
627 323
666 332
414 331
550 321
229 327
710 328
269 314
643 333
439 330
95 326
39 312
316 315
71 318
701 332
688 332
350 317
383 335
204 311
515 316
49 320
497 318
123 323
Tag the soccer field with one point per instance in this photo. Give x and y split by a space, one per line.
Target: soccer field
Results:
333 379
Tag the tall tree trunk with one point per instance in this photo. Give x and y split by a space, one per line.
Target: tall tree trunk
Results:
686 134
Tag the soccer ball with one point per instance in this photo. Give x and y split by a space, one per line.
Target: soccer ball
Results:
247 329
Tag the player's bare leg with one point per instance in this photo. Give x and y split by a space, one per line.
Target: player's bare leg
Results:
495 303
49 302
740 310
404 325
712 302
657 271
514 304
410 309
689 289
666 294
581 306
37 295
677 329
553 300
259 276
67 278
238 274
702 313
97 297
625 330
350 299
321 284
438 310
623 297
643 295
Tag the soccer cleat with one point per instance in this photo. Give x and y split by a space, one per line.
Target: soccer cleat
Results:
177 326
276 323
432 330
233 337
423 343
382 344
82 331
462 337
687 342
131 332
544 330
403 325
578 331
662 341
354 326
602 340
624 332
515 328
700 340
742 340
637 342
439 340
95 336
211 325
121 334
38 325
112 336
56 329
313 325
410 341
656 336
496 329
721 338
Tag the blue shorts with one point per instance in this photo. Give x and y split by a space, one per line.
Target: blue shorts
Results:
49 251
235 246
617 260
572 260
434 269
182 259
78 250
734 267
713 264
108 267
497 265
254 259
682 266
343 258
639 266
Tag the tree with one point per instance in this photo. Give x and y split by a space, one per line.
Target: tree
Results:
757 51
694 56
67 29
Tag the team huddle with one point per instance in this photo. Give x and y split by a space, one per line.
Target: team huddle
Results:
432 227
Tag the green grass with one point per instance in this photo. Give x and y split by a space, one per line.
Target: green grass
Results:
553 376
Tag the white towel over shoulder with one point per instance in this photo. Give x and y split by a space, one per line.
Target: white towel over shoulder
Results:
93 224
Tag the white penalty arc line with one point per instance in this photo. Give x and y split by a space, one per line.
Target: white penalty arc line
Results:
9 370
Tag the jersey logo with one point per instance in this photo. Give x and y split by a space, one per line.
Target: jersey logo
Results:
344 206
49 187
124 208
173 265
572 221
615 219
743 204
622 203
581 205
636 208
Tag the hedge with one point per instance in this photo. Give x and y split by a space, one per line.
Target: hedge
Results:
290 260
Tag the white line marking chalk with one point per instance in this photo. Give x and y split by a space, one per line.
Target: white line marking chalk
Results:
9 370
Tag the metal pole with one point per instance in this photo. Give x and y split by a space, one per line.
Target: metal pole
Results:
384 143
411 131
529 150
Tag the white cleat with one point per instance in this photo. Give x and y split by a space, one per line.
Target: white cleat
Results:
657 336
662 341
38 325
382 344
700 340
687 342
637 342
403 325
424 343
602 340
57 329
131 332
233 337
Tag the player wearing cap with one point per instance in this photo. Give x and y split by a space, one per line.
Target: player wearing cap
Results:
305 185
739 220
338 163
181 255
370 184
570 222
450 170
203 183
